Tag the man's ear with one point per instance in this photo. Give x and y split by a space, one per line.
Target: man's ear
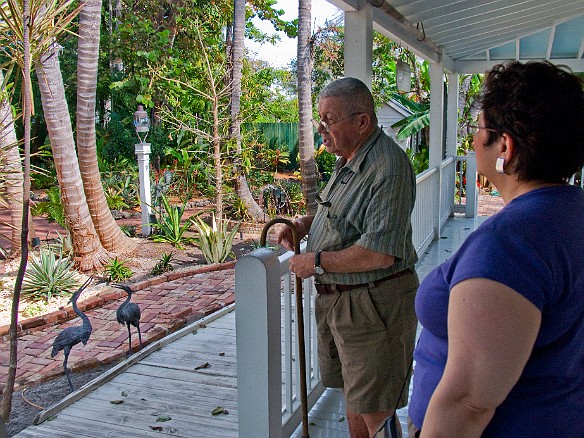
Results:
364 122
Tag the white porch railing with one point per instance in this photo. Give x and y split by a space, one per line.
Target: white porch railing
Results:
267 369
267 372
465 166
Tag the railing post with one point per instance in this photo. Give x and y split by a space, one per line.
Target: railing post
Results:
258 343
472 194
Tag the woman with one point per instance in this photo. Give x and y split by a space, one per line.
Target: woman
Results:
501 352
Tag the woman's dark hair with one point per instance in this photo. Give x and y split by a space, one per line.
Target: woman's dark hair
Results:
541 107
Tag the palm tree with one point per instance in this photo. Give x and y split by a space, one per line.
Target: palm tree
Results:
305 129
10 169
88 251
237 49
109 233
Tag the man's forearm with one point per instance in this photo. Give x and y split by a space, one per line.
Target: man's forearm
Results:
355 258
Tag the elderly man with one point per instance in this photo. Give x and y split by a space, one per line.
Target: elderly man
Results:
361 254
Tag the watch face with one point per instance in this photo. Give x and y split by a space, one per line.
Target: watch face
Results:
318 270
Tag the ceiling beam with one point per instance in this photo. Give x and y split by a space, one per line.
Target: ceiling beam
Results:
471 67
388 18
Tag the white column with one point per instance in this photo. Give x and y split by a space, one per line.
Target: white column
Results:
452 134
258 341
472 194
437 136
359 44
142 150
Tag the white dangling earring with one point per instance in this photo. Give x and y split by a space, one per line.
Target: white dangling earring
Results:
499 165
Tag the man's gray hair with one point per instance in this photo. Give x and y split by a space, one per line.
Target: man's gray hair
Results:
355 95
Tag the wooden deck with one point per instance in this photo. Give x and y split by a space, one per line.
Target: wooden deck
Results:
159 383
162 382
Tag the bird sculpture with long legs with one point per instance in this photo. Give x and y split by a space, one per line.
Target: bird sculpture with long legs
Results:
73 335
129 314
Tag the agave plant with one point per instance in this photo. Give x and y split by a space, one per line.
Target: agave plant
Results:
215 241
49 275
169 225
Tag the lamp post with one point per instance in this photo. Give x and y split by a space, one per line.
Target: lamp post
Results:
142 150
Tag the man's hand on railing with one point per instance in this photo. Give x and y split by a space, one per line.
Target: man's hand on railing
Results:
302 226
302 264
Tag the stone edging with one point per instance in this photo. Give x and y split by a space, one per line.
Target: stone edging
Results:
108 295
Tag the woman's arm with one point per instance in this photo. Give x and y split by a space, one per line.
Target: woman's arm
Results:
491 333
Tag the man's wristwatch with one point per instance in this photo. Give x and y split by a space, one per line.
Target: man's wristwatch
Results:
317 268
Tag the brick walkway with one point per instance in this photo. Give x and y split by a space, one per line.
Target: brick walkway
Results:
489 204
168 303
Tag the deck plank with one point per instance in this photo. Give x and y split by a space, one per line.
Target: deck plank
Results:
161 380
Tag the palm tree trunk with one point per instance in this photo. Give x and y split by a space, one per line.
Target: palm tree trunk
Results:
88 251
305 128
237 49
12 174
109 233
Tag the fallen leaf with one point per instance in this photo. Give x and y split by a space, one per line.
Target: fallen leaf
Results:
159 428
221 354
312 423
117 402
341 419
124 394
205 365
51 418
163 418
219 410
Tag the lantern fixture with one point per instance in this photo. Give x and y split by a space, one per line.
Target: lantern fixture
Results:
141 122
403 76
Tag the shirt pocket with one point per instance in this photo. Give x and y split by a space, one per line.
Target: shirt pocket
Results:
340 232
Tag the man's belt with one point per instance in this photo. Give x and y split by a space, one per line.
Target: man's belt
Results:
333 288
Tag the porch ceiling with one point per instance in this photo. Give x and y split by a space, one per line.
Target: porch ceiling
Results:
470 36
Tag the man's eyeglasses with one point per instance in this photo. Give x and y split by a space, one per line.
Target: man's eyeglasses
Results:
474 129
327 126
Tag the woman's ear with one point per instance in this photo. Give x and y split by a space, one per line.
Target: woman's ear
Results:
507 148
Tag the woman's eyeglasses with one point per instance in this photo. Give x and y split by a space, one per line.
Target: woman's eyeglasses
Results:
474 129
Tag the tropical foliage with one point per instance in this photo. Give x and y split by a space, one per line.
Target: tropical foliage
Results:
49 275
215 240
116 270
169 227
163 265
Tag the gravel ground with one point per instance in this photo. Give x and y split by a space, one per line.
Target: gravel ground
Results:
28 403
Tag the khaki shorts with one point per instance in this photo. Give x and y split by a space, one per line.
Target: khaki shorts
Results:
366 341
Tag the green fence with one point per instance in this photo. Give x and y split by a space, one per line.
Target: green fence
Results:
283 136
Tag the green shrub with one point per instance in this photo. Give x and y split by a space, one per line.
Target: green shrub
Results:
117 271
48 275
128 229
163 265
53 207
215 241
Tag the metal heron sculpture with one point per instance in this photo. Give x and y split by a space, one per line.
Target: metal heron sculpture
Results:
129 314
299 319
73 335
